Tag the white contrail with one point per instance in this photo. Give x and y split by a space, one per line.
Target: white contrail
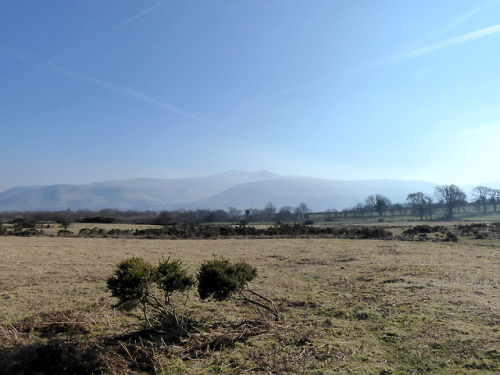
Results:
128 92
433 35
277 94
486 131
137 16
428 49
444 44
84 44
32 60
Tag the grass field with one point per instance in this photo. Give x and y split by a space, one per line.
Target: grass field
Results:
347 306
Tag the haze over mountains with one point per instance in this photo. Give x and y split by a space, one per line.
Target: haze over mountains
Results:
230 189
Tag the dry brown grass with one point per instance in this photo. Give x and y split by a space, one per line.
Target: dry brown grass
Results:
348 306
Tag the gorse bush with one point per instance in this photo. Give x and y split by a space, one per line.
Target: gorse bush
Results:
218 278
138 284
131 283
171 277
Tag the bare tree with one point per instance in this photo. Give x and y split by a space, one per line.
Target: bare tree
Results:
233 211
451 195
65 218
428 206
302 210
378 203
370 204
360 209
481 194
417 202
269 211
494 198
284 214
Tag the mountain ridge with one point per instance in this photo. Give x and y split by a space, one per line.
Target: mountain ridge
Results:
233 188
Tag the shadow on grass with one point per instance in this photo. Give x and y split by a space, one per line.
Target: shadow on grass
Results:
64 348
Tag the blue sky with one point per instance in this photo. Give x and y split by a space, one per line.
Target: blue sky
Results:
339 89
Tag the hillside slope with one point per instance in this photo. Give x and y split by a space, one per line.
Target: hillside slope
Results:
318 194
231 189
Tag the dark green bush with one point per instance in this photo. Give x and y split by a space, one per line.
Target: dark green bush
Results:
450 237
131 283
171 277
219 279
135 283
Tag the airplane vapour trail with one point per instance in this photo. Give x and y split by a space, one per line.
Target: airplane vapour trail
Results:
128 92
447 43
32 60
435 34
278 94
414 52
93 40
428 49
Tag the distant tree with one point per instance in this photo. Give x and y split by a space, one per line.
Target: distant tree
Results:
233 211
284 214
463 203
164 218
302 210
269 211
478 204
65 218
418 203
370 204
481 194
428 206
360 209
382 204
328 214
398 207
378 203
494 198
452 197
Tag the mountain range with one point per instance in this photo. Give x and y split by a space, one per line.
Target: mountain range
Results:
230 189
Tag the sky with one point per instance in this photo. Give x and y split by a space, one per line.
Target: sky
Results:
96 90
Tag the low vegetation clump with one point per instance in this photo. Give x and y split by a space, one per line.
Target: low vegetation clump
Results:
137 284
219 279
185 231
205 231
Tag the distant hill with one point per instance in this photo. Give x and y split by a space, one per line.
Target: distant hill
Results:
231 189
135 194
318 194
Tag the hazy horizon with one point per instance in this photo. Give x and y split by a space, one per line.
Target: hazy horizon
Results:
494 184
338 90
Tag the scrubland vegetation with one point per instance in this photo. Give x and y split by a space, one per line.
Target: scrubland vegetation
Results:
419 299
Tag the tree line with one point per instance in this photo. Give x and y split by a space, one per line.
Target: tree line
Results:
447 198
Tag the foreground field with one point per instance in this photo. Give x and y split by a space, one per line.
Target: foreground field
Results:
347 306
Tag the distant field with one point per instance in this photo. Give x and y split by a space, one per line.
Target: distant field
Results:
347 306
52 229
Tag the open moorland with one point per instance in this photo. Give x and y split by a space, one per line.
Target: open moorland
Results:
403 305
